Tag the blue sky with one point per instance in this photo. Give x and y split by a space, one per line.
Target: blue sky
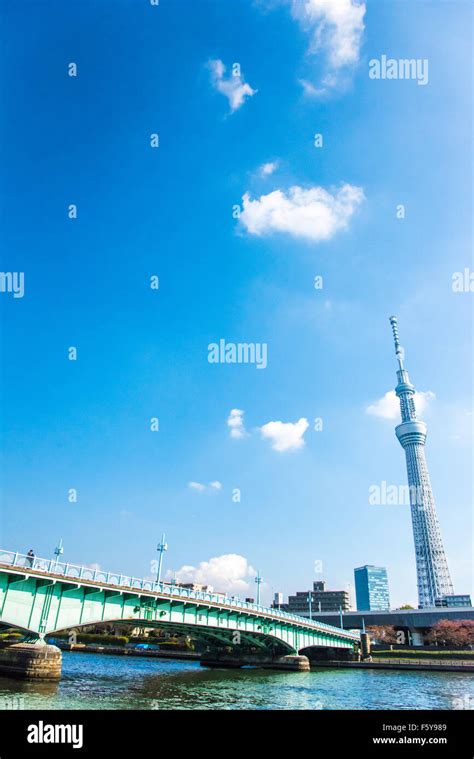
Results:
168 211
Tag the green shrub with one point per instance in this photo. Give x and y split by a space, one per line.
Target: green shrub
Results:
11 636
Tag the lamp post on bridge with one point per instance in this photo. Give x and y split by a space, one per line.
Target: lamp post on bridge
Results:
310 600
58 551
161 548
258 580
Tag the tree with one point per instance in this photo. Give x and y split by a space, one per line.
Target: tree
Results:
405 606
457 633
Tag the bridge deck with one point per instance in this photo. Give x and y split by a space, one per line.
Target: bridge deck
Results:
80 576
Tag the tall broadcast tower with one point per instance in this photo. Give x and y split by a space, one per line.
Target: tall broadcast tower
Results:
433 576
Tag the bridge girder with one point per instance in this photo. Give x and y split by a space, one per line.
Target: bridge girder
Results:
41 604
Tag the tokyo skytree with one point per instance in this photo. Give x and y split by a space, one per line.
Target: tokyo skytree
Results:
433 576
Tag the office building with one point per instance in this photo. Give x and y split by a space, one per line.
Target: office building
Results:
371 585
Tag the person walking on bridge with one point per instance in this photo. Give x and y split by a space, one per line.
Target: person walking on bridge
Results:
30 557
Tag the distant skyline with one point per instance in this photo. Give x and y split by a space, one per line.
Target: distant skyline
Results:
213 229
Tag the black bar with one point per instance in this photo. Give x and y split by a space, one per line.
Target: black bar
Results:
142 733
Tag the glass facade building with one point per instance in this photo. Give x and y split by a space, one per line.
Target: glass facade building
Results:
371 585
454 601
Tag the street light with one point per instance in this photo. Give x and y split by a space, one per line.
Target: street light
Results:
310 598
258 580
161 547
58 551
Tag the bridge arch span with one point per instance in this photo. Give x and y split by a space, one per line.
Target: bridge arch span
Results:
44 601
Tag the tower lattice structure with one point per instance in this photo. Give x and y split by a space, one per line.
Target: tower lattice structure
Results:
432 570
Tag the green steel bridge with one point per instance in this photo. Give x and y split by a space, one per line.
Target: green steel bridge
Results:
42 597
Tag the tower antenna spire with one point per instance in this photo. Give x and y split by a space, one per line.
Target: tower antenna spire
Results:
399 351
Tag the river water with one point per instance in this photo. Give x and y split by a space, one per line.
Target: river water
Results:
94 681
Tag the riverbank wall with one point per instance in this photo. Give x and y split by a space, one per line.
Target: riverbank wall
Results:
427 666
88 648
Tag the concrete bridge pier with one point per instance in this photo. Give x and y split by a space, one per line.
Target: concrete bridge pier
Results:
222 659
31 661
415 637
292 662
365 646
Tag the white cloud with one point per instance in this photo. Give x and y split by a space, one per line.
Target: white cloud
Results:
228 573
268 168
285 436
233 86
329 82
200 488
422 399
314 214
235 421
196 486
310 90
336 27
388 407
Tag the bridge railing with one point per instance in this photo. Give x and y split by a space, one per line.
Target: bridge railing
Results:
95 574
